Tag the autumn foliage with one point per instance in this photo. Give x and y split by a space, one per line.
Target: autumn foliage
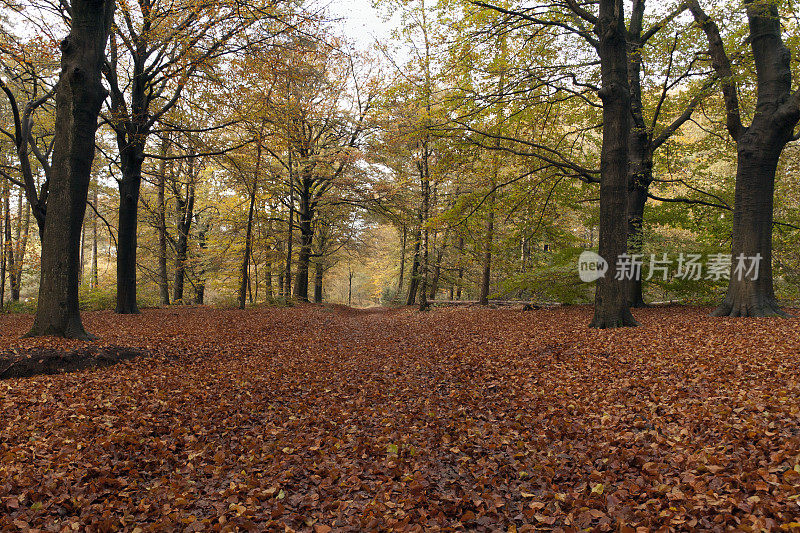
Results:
324 418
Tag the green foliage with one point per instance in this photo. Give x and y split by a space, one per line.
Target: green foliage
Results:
23 307
553 278
104 298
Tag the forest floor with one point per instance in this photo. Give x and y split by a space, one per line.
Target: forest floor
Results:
326 418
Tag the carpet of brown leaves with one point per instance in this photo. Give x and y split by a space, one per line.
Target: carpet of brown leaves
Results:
323 418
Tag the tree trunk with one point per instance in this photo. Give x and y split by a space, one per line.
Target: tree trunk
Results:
129 186
637 198
21 245
425 213
437 270
318 274
611 302
82 259
640 167
460 267
287 281
349 286
95 273
161 208
78 99
2 257
759 148
752 226
8 248
486 275
305 217
402 262
413 282
200 286
185 217
248 244
281 271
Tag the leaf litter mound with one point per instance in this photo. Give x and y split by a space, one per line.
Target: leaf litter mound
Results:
45 360
328 419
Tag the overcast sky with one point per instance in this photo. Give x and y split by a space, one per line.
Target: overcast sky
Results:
360 21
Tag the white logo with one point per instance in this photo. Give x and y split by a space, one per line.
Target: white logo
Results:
591 266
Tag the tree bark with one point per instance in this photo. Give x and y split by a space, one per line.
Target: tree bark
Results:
486 272
640 169
2 256
248 244
95 274
424 263
413 282
460 267
8 246
78 99
305 215
318 275
161 213
402 262
200 286
21 246
287 281
611 303
184 223
129 186
637 198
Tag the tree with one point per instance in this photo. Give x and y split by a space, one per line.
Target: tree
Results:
79 96
759 147
158 47
611 304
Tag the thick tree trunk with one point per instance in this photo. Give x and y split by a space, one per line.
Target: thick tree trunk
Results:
752 230
78 99
611 302
127 233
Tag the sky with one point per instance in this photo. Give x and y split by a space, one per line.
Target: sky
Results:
360 21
